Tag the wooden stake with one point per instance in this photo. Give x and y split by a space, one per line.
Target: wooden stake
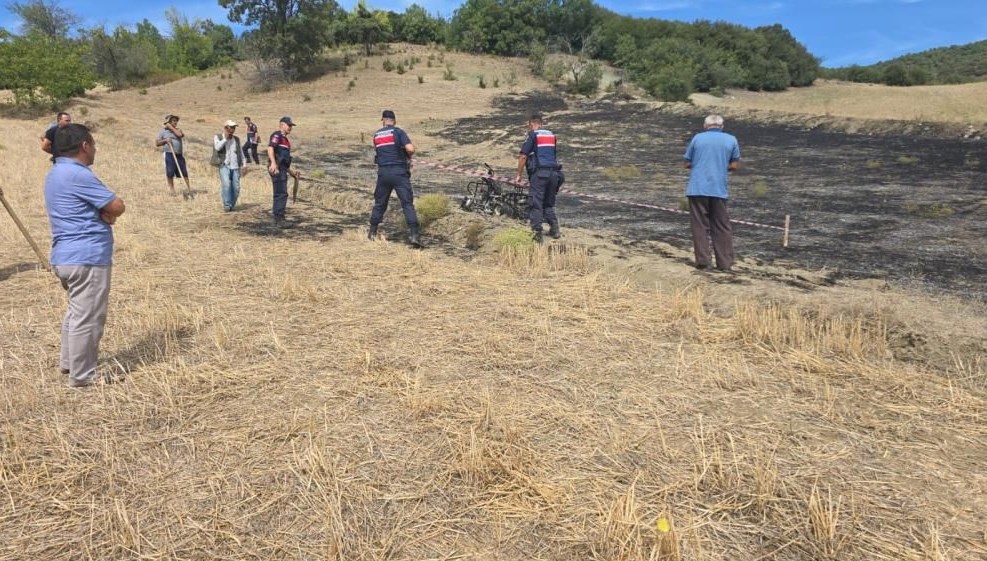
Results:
784 241
27 235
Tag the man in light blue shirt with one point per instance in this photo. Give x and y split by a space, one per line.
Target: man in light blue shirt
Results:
81 211
711 155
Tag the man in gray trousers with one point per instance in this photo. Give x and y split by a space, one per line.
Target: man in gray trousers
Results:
81 211
710 157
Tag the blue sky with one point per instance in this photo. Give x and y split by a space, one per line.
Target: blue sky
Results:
841 32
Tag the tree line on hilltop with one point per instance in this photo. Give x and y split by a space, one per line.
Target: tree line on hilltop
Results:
944 65
565 41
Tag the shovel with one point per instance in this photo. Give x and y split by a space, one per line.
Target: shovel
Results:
188 194
27 236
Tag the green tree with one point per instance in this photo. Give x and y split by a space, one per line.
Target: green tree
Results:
224 43
571 24
122 58
586 77
501 27
802 67
46 18
366 27
419 27
895 75
292 32
189 49
43 71
148 33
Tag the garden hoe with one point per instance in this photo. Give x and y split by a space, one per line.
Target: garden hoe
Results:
188 194
27 236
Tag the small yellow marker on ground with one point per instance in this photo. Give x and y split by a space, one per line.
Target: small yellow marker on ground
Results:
663 525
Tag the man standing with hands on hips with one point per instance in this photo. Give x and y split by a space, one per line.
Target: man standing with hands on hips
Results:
81 211
544 176
279 166
710 157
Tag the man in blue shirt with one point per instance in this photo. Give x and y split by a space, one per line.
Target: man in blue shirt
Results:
711 155
81 211
392 153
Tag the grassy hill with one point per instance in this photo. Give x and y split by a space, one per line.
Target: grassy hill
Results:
944 65
960 104
307 394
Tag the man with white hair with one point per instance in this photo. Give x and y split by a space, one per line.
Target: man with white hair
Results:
711 155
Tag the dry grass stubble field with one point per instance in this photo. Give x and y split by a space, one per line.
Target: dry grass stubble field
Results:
319 396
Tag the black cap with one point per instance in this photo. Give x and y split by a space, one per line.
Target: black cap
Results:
388 114
287 119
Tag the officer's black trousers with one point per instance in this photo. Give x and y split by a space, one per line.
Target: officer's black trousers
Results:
544 185
398 181
280 180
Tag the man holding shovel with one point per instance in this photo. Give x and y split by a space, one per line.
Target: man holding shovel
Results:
171 140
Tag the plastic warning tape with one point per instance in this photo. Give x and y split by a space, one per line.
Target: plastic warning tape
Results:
510 180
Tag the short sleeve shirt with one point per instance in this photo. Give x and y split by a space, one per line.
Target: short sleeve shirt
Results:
73 199
282 148
252 133
50 135
176 141
710 153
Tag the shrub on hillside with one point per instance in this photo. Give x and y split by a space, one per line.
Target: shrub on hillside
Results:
431 207
514 239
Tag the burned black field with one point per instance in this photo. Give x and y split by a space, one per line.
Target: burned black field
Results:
903 208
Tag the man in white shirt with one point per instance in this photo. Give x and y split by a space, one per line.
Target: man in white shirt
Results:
229 157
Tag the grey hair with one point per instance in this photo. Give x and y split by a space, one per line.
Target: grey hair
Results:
713 121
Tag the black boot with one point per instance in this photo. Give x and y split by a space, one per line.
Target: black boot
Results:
553 230
414 237
372 232
537 236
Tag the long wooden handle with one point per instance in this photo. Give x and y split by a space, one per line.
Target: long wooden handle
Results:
27 235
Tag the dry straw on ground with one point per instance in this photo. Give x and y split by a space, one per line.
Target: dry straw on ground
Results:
308 394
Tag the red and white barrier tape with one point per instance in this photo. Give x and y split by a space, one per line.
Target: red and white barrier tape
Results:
510 180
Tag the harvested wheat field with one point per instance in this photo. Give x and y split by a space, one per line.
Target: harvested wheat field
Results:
305 394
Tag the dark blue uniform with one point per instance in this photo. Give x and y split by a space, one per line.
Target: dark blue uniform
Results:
392 175
282 156
544 177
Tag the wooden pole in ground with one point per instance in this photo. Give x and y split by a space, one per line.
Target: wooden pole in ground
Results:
27 235
784 240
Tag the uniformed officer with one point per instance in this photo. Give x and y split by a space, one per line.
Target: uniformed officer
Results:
538 158
393 157
279 166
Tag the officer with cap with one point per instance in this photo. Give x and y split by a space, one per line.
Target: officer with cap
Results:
393 158
538 158
279 166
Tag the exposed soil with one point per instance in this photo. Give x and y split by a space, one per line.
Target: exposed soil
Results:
903 208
